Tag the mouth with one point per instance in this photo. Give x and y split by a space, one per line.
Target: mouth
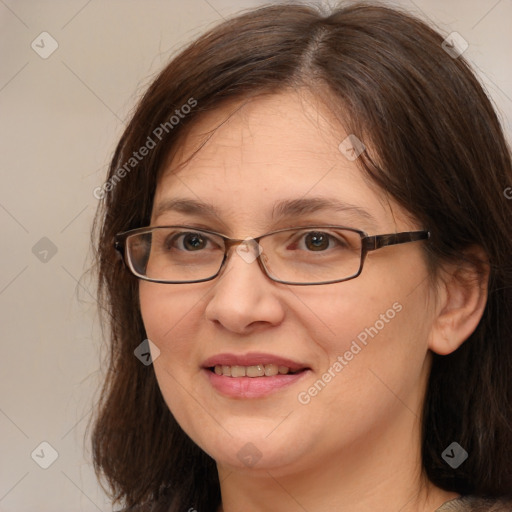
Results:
252 375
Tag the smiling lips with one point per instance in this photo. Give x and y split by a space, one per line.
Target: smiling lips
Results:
251 375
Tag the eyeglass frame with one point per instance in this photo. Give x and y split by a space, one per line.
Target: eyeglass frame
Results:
368 243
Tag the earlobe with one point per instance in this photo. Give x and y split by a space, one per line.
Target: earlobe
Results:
461 301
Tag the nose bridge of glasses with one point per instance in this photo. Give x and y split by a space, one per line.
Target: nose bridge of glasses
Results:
248 248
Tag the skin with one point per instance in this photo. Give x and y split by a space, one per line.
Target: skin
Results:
356 445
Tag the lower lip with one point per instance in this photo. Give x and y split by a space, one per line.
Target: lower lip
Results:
252 387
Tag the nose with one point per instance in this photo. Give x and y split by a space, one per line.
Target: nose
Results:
243 298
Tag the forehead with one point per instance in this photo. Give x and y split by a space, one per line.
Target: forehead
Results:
267 128
245 157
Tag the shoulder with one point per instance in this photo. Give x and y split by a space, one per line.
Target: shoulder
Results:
476 504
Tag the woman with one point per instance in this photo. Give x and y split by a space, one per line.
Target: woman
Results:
314 308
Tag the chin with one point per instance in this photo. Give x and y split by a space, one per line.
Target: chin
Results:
257 451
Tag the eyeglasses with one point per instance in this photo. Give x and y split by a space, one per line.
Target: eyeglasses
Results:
308 255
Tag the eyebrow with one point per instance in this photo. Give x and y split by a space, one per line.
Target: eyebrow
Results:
188 206
302 206
282 209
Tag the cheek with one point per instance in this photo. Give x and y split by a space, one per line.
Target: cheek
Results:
171 317
364 326
375 351
352 310
170 314
164 306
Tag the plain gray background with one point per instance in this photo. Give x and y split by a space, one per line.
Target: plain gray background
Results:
60 118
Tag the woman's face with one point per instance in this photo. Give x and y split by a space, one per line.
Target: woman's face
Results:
361 345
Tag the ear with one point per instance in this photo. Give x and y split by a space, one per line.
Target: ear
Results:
461 300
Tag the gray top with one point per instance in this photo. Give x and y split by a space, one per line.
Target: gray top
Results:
473 504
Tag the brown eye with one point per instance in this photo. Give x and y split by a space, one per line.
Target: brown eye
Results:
187 242
317 241
193 241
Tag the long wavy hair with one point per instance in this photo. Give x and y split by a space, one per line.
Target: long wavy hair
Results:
435 146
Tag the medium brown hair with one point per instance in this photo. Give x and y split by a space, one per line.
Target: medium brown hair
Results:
439 152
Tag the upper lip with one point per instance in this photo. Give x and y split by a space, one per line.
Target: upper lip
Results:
251 359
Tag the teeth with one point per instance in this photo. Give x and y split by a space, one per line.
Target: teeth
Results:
259 370
238 371
271 369
254 371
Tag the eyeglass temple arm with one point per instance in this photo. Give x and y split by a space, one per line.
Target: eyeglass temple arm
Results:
372 243
119 247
